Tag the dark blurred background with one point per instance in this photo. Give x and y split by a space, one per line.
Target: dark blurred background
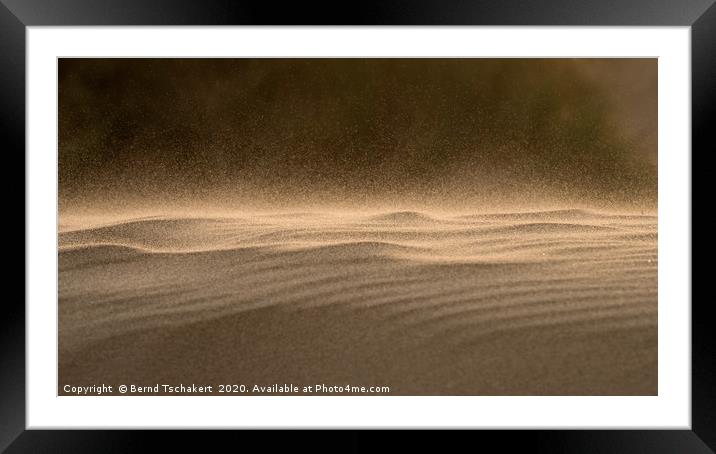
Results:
452 134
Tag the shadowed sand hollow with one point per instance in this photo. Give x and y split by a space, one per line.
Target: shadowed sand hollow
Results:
536 303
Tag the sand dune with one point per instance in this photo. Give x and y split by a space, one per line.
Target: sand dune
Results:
551 302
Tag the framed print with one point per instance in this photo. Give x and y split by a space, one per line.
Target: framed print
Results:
419 215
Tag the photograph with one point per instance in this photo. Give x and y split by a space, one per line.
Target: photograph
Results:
357 226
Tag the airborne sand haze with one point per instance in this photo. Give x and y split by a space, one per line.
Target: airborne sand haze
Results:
372 134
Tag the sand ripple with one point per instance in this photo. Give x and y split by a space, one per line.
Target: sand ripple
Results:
558 302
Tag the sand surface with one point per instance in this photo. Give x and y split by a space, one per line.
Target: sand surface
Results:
557 302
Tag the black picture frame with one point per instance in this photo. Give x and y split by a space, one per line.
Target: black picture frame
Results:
700 15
